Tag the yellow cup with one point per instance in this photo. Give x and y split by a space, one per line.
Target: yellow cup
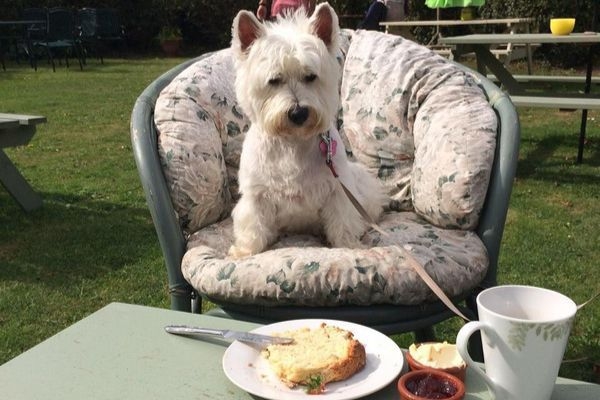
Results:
562 26
467 14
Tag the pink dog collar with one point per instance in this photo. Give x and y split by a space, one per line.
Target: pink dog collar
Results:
325 144
328 147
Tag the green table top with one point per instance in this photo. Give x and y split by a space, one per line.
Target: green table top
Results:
521 38
24 119
18 129
123 352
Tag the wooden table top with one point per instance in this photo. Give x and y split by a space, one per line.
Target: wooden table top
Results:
23 119
521 38
459 22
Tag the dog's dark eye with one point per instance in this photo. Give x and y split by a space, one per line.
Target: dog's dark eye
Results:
274 81
310 78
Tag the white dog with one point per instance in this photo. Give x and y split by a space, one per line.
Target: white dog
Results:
287 83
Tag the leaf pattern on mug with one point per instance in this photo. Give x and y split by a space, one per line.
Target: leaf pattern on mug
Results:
517 335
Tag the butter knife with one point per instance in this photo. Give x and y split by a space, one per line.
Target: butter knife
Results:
227 334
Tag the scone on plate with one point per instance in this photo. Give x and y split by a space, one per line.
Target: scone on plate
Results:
316 357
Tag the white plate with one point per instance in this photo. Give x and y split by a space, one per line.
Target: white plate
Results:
246 368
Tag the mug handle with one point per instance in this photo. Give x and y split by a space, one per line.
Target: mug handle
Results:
462 342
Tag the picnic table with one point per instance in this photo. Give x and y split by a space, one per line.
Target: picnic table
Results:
513 25
17 130
480 44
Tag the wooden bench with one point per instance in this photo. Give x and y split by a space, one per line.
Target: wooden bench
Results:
566 103
502 53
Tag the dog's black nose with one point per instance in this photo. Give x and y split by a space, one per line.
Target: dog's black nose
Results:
298 115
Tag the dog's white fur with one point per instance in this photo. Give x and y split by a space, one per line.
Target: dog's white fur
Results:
284 181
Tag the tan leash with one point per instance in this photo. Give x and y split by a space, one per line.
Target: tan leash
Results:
328 148
585 303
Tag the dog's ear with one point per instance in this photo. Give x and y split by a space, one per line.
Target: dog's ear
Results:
246 29
324 24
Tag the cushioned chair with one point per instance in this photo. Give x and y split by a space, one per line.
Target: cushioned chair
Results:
443 140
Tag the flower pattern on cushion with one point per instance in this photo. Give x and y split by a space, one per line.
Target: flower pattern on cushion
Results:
200 133
300 270
396 102
453 160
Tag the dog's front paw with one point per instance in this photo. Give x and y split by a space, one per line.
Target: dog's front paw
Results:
239 252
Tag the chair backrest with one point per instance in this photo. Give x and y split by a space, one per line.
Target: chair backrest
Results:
36 13
61 24
109 24
88 22
35 31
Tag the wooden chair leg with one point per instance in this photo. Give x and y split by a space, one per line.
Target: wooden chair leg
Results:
79 55
2 56
67 54
51 57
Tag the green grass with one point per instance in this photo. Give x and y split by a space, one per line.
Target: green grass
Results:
93 241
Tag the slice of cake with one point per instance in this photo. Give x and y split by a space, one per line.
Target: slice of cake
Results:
316 357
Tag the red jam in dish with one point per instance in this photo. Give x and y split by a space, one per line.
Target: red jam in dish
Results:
431 387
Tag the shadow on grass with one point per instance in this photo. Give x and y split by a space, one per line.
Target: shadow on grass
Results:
71 239
553 158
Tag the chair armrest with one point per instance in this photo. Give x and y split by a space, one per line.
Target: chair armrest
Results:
492 220
144 142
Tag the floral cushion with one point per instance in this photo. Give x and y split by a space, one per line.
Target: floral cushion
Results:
412 116
200 140
423 123
299 270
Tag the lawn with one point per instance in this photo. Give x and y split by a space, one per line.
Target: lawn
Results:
93 242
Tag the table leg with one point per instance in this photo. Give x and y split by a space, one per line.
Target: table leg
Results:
17 186
461 49
529 52
481 67
584 113
485 58
582 130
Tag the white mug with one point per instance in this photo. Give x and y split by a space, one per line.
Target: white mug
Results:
524 332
